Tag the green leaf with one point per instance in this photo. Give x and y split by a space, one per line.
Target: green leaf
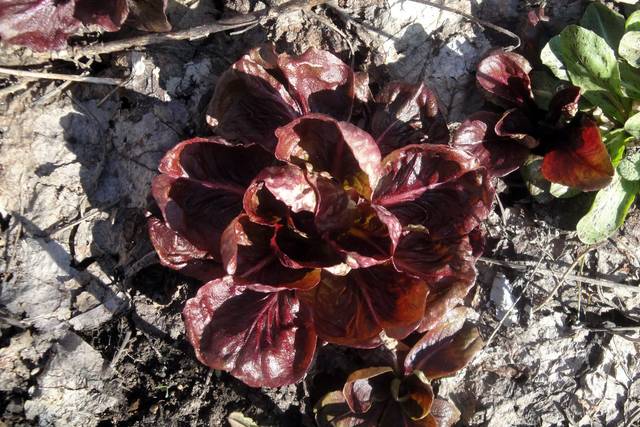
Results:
544 86
552 60
633 126
608 211
629 168
630 80
560 191
591 64
630 48
633 22
616 141
537 185
604 22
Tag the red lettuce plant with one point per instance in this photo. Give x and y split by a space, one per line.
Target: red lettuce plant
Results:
324 213
46 24
401 394
570 142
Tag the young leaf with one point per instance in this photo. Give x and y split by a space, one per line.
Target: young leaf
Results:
608 211
605 22
630 48
616 142
633 126
505 78
629 167
365 387
590 64
545 85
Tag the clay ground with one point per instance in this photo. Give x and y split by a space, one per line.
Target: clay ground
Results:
90 327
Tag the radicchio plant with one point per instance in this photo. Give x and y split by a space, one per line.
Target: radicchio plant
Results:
319 212
46 24
401 394
570 142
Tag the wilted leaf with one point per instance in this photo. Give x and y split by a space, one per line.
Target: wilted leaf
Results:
581 161
265 339
608 211
238 419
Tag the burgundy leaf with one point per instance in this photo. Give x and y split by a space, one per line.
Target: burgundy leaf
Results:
446 348
505 78
249 103
110 15
515 124
407 114
500 155
178 253
563 106
415 396
265 339
332 411
303 250
149 15
335 210
250 254
580 159
289 185
435 187
202 185
371 239
353 309
38 24
346 152
366 387
320 82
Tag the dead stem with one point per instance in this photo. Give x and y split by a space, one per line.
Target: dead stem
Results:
64 77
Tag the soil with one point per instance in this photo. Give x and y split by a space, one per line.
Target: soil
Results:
90 326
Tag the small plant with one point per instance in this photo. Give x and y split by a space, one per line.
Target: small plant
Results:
299 225
401 394
43 25
571 133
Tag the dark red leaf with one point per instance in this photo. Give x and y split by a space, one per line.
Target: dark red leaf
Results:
178 253
320 82
515 124
38 24
500 155
202 185
505 78
249 103
110 15
407 114
264 339
366 387
335 211
348 153
436 187
303 250
415 396
332 411
563 106
353 309
250 254
580 160
446 348
149 15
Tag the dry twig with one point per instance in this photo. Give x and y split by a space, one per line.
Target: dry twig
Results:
64 77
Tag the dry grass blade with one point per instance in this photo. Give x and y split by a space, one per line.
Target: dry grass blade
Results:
64 77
